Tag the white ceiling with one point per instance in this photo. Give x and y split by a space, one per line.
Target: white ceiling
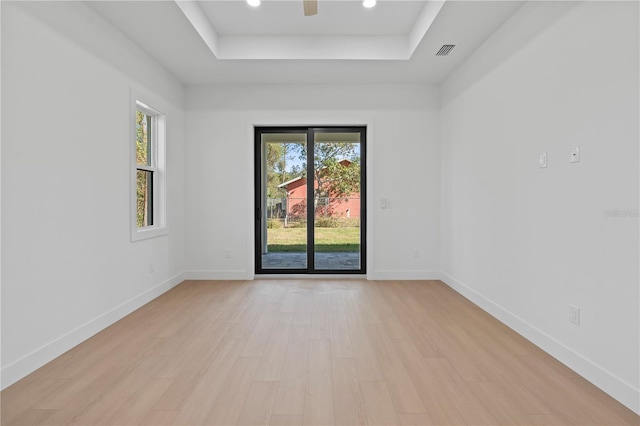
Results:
223 42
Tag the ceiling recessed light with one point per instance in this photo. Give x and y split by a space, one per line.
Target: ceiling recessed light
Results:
254 3
369 3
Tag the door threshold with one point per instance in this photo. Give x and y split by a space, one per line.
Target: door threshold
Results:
310 276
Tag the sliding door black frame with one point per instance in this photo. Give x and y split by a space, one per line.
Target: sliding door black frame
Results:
310 131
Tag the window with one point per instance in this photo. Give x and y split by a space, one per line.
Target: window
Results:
148 186
145 168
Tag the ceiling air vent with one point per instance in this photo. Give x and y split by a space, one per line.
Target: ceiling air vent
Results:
445 49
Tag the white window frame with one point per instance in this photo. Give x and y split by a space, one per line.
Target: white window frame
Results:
158 162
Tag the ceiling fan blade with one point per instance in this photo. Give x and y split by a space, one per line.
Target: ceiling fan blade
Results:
310 7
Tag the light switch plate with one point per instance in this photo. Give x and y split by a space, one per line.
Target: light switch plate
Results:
542 161
575 154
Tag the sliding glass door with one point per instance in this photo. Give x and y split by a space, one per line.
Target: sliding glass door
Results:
310 204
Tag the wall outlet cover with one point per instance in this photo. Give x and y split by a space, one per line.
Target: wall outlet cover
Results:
574 314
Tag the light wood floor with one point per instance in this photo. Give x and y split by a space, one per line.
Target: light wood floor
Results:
297 352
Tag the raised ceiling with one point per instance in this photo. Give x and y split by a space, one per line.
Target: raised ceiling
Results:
334 18
227 41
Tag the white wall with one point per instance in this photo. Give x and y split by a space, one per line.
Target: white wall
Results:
403 166
525 243
69 268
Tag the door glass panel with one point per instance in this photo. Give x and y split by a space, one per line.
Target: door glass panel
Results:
337 230
284 201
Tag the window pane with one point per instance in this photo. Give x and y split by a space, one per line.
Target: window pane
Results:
144 181
143 139
336 192
284 240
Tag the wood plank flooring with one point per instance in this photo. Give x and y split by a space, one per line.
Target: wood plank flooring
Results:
308 352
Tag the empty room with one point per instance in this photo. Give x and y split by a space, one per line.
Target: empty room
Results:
320 212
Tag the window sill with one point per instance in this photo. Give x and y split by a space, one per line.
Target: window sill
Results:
146 233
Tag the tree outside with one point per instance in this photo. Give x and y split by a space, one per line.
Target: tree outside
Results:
281 167
143 178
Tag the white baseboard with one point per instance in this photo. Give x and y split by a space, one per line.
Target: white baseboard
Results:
46 353
617 388
396 274
376 275
217 275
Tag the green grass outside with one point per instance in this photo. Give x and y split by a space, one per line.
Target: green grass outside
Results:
328 240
